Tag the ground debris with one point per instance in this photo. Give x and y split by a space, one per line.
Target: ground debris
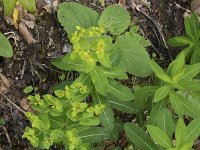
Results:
4 84
27 35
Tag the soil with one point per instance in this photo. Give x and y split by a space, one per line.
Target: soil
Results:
31 63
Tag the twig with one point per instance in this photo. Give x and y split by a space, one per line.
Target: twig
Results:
44 65
17 107
7 135
180 7
23 70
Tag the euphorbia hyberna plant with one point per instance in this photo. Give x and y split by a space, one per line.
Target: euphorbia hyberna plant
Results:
104 48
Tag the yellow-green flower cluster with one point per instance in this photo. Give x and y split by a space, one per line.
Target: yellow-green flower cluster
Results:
36 100
77 35
97 109
71 92
30 135
78 85
86 41
75 89
36 122
53 102
47 142
84 55
85 33
100 48
78 107
73 140
95 31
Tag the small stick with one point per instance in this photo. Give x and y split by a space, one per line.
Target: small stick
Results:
23 69
180 7
17 107
7 135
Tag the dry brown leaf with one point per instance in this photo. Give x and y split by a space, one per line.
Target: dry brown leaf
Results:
47 8
4 84
25 105
29 24
30 17
26 34
194 5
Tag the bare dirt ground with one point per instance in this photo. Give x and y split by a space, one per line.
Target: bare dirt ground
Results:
31 63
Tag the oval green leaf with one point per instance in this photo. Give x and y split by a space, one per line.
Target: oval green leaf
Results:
5 47
114 19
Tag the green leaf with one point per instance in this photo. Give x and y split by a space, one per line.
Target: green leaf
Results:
124 106
165 122
2 122
192 27
139 137
56 122
114 19
115 72
179 41
191 72
70 63
107 116
115 58
161 93
93 121
197 47
178 64
72 14
153 117
145 91
159 136
75 125
99 80
180 132
187 146
195 57
141 39
188 50
133 58
190 85
9 5
195 25
120 91
28 89
159 72
176 103
45 120
106 61
189 107
93 135
192 130
142 94
57 135
5 47
29 5
118 127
